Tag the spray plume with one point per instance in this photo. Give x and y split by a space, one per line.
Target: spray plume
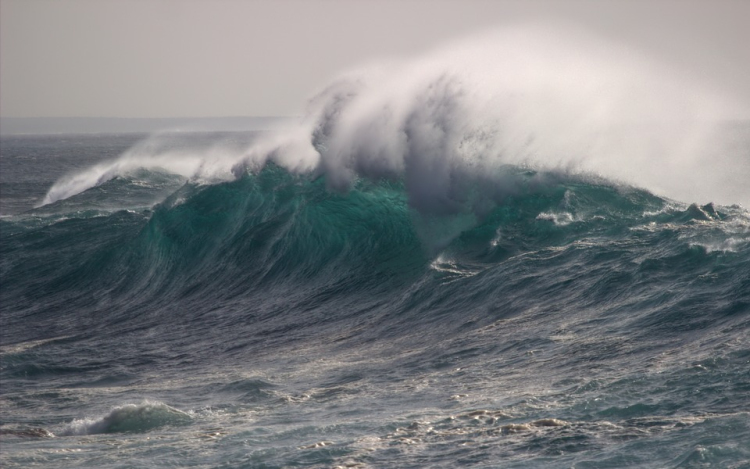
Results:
549 98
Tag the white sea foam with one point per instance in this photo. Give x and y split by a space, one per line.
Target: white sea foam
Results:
445 265
724 245
549 98
559 219
205 165
129 418
24 346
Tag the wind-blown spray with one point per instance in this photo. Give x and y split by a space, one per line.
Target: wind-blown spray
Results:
548 98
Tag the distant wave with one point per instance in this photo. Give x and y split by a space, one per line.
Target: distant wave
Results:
129 418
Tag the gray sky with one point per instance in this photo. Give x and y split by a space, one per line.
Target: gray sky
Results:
180 58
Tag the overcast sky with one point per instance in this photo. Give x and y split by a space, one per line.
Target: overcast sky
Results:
185 58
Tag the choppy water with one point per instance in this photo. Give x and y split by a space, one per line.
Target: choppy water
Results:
153 320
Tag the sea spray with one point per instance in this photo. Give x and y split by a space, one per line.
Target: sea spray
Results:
207 158
547 98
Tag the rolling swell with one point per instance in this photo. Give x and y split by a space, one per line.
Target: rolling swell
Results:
207 244
272 244
597 317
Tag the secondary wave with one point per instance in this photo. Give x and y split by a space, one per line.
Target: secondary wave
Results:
129 418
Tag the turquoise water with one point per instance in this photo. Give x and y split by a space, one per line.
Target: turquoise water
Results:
539 319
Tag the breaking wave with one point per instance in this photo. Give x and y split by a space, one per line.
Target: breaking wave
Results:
548 99
129 418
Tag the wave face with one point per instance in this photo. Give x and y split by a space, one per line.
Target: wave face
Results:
128 419
274 232
568 318
443 263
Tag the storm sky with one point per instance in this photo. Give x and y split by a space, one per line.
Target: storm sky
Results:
200 58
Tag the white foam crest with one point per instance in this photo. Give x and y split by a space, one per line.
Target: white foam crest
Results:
552 98
548 97
208 165
128 418
24 346
559 219
446 265
724 245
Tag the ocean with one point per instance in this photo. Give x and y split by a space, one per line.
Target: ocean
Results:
273 320
525 251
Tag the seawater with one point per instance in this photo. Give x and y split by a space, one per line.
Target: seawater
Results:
271 319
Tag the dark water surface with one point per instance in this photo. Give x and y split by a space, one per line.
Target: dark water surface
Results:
266 321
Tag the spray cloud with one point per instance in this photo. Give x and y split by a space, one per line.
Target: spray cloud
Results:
550 98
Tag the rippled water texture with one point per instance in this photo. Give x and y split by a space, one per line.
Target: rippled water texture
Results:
272 320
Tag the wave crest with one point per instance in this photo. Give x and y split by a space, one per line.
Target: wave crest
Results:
546 98
129 418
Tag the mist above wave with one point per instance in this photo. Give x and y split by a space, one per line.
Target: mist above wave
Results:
446 124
